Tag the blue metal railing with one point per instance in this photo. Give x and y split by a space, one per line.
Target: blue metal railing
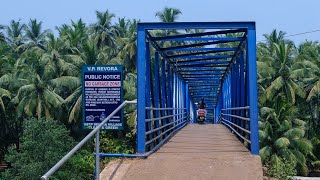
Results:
167 126
237 121
95 131
159 131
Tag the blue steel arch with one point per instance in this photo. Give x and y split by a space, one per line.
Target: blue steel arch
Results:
207 64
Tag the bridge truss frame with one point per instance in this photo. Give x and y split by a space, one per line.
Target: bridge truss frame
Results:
214 60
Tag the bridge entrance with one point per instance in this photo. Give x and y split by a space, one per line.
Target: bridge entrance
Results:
179 63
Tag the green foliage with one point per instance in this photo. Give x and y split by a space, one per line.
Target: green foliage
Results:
40 76
286 75
281 168
44 143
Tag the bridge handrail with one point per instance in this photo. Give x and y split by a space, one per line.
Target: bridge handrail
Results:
236 108
236 132
235 116
225 120
227 112
83 141
153 108
156 129
175 126
164 117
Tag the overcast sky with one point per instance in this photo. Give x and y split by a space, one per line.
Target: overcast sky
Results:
291 16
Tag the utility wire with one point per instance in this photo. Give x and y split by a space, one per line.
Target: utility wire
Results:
298 34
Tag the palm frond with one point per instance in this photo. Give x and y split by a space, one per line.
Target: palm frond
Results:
68 82
294 133
304 146
265 153
282 143
273 88
314 91
75 112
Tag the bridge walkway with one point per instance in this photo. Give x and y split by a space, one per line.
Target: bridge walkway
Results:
196 152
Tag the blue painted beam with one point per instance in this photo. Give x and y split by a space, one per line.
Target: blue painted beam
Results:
155 45
204 63
233 39
198 34
203 85
201 58
204 94
198 25
204 89
199 65
170 97
235 54
217 76
163 94
141 89
242 87
202 80
213 83
203 49
197 53
198 69
196 90
253 91
214 92
156 100
193 88
195 45
187 100
148 91
204 73
209 77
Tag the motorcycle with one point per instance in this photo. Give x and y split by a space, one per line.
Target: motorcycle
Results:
201 114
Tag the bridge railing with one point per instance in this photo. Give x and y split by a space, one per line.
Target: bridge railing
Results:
236 119
163 123
158 129
95 131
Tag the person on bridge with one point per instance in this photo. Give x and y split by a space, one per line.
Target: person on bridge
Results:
202 104
201 113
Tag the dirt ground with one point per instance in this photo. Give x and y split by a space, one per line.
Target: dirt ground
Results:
195 152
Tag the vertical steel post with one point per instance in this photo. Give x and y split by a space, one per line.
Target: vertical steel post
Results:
156 91
141 89
253 91
232 88
238 92
148 92
169 93
97 171
242 88
187 100
174 99
163 93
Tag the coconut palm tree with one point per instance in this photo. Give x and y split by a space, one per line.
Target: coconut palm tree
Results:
73 36
282 134
15 34
168 14
283 84
127 44
2 37
35 98
103 29
34 34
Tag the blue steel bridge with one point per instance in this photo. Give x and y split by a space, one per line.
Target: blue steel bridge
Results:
178 64
217 63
